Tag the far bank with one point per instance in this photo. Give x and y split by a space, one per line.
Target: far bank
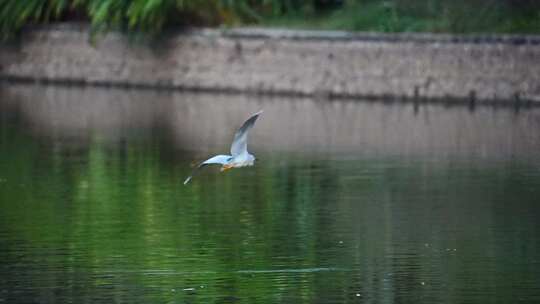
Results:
487 68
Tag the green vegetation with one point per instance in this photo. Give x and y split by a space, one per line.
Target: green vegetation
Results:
149 16
152 16
454 16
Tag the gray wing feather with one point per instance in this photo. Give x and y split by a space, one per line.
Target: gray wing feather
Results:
239 144
218 159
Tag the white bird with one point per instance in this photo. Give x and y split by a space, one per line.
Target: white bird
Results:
239 157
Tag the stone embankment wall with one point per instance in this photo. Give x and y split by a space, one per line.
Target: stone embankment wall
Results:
306 63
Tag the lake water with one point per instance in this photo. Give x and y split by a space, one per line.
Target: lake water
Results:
349 201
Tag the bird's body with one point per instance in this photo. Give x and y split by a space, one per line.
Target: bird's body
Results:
242 160
240 157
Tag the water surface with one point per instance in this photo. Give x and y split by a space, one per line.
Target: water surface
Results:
349 202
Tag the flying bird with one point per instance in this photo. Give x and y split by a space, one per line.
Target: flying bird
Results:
239 157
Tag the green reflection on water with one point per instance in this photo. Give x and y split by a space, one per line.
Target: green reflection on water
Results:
91 220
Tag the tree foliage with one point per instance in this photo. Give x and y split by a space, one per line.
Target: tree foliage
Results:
145 15
152 16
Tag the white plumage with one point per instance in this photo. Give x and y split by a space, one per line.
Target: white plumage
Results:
239 157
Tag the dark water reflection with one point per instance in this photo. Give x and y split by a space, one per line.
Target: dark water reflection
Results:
350 202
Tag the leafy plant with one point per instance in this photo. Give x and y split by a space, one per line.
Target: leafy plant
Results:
144 15
15 14
152 16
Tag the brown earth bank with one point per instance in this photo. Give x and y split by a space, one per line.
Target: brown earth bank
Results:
483 68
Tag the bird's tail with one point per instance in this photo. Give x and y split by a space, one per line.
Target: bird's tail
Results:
188 179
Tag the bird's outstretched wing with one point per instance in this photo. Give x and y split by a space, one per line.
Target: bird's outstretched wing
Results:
239 144
218 159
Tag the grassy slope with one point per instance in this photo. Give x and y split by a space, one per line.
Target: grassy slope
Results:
422 16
